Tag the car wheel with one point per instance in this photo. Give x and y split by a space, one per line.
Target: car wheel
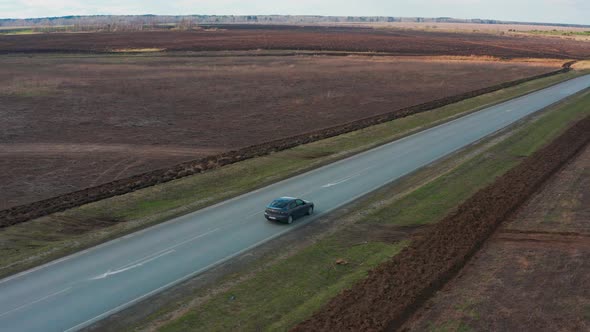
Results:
290 220
310 211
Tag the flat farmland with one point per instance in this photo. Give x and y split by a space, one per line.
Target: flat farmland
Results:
253 37
532 275
70 122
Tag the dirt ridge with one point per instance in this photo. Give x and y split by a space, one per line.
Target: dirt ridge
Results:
22 213
393 291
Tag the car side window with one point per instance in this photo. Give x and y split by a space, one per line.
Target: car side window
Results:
292 205
299 202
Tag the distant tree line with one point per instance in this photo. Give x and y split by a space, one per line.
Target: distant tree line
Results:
150 22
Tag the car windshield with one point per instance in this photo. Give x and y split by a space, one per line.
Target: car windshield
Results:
280 203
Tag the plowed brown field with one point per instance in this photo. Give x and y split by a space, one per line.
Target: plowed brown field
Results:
533 273
304 38
70 123
394 290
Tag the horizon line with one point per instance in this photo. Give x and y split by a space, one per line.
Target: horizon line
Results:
496 21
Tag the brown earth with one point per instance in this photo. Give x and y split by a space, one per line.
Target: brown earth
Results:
74 122
394 290
533 273
253 37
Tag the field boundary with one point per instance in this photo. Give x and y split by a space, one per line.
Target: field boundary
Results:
395 290
22 213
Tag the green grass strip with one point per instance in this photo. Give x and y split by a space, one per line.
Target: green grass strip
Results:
437 198
44 239
283 294
203 189
289 291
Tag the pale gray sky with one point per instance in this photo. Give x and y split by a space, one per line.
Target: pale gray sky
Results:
554 11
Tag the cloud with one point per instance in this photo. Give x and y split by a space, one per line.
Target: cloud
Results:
580 5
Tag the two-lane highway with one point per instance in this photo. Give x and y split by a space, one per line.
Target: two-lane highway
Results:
78 290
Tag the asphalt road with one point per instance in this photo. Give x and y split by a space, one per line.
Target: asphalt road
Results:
78 290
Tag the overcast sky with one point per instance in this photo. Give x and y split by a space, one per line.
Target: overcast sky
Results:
553 11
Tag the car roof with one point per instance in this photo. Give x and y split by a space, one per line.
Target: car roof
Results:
284 199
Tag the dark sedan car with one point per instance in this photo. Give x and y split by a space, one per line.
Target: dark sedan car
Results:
287 209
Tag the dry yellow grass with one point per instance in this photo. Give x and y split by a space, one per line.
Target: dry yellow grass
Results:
545 62
138 50
582 65
528 61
